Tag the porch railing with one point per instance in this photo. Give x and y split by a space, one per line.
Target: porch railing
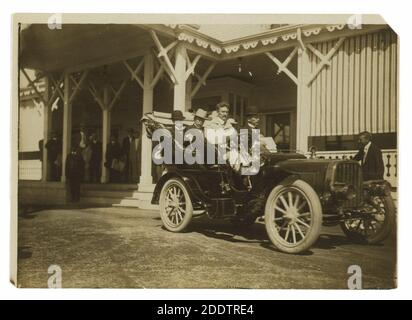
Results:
30 170
390 161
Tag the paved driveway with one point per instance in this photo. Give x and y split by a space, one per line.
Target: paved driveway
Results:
122 247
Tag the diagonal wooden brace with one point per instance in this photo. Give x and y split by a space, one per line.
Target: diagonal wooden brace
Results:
33 85
156 78
163 55
325 60
170 72
96 96
282 67
134 73
78 85
117 94
191 65
202 80
57 90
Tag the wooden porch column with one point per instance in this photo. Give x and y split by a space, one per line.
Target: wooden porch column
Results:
179 99
303 101
67 124
188 101
106 133
47 125
146 180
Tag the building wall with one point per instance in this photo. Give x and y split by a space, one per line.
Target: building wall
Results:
275 96
359 90
30 125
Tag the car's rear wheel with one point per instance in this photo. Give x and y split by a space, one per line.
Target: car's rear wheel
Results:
375 227
176 210
293 217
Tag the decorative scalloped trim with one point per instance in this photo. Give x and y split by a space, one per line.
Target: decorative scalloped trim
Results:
215 49
288 36
265 42
334 27
185 37
202 43
230 49
249 45
310 32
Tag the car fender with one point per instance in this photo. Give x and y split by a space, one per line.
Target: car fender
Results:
284 181
195 192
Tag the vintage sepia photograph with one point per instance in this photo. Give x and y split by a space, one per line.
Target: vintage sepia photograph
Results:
205 151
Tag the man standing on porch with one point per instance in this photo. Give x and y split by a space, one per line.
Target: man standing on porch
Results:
130 147
370 156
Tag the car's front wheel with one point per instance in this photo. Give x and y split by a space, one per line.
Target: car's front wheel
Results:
375 227
293 217
176 210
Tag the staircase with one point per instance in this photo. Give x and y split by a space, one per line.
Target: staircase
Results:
119 195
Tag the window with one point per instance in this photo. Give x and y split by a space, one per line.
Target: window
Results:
238 105
349 142
278 127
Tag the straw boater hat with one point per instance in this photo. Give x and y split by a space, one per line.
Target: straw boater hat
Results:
202 114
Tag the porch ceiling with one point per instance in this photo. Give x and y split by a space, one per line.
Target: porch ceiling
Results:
76 45
262 69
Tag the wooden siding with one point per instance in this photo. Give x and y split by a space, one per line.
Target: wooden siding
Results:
358 91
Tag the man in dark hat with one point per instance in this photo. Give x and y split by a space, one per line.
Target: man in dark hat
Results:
130 150
177 115
74 172
370 157
96 158
54 151
252 122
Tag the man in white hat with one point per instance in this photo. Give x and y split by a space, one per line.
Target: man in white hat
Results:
200 117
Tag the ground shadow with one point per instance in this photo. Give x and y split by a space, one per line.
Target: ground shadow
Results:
24 252
27 211
256 233
228 231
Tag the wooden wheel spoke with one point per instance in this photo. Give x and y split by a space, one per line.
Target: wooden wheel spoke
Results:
282 199
280 209
179 215
299 230
297 201
287 233
301 205
293 233
290 199
305 214
302 223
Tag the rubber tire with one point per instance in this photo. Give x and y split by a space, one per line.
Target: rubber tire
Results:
314 232
386 230
189 207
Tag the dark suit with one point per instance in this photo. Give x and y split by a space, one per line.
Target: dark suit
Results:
74 173
95 161
372 167
113 151
54 151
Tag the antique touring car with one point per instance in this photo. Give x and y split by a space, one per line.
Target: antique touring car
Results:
295 195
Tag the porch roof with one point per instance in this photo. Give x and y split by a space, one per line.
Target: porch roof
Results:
71 48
